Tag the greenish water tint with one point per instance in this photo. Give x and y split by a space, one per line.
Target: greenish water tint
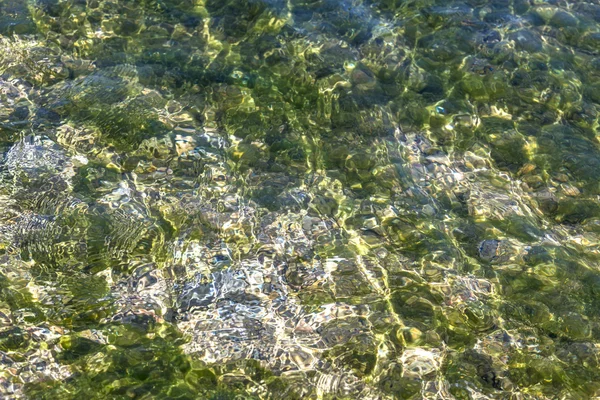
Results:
322 199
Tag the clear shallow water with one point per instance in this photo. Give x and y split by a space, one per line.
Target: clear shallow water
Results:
301 199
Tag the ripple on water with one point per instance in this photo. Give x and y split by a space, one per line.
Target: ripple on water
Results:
330 199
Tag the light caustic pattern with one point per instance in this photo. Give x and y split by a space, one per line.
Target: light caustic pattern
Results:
321 199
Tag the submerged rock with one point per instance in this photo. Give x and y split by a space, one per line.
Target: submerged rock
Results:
526 40
37 156
489 249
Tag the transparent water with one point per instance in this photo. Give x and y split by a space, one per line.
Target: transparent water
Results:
320 199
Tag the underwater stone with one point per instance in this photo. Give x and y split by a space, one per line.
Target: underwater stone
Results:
591 42
474 86
35 155
526 40
489 249
562 19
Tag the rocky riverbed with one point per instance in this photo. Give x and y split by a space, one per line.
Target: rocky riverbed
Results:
322 199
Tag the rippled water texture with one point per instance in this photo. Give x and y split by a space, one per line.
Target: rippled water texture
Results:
316 199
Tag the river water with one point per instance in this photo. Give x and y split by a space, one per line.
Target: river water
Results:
316 199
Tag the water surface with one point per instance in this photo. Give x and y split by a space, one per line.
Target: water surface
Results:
320 199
